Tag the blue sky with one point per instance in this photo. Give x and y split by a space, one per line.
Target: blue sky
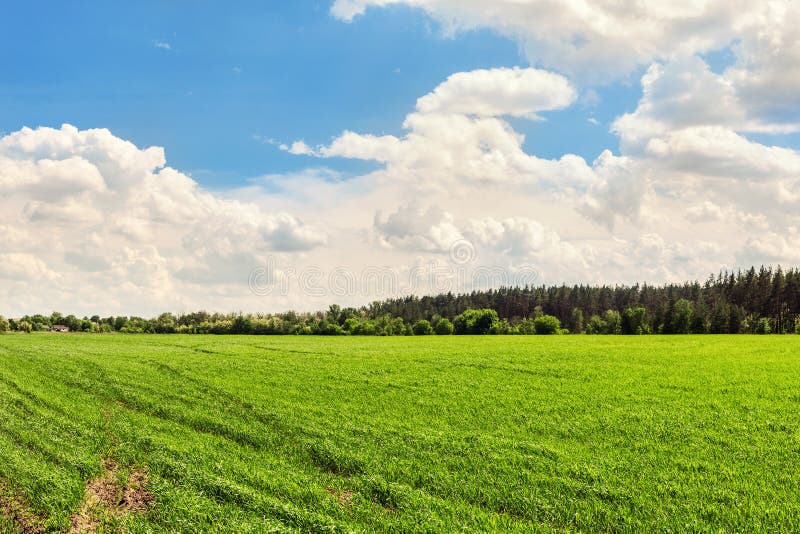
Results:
266 70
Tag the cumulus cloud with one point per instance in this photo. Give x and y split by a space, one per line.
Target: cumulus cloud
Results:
413 228
771 247
605 40
685 160
767 69
617 191
524 238
95 219
298 148
459 132
101 212
21 266
596 41
496 242
689 138
490 93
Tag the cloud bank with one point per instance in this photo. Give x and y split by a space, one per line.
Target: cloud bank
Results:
699 181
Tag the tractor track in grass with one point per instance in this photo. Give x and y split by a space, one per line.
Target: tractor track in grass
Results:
32 397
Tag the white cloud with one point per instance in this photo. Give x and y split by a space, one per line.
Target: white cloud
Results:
298 148
596 40
691 190
490 93
707 211
634 215
494 242
163 45
21 266
617 191
111 218
445 142
524 238
417 229
767 70
771 247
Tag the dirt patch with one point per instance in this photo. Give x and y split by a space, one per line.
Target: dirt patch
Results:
108 499
342 497
15 509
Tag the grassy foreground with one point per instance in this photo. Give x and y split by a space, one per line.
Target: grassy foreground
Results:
254 434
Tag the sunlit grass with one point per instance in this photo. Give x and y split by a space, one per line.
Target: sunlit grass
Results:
251 434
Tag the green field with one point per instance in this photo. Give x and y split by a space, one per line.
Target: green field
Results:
537 433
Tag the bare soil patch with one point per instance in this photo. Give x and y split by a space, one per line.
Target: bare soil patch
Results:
342 497
14 508
108 499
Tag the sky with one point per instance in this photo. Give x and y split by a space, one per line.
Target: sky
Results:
176 156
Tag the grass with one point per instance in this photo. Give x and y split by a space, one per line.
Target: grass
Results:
550 434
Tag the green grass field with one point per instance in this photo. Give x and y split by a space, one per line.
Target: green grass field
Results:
257 434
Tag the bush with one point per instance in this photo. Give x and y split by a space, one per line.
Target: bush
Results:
797 326
613 322
24 326
445 328
423 328
682 316
595 326
546 325
324 328
764 326
365 328
576 321
219 328
351 324
399 327
241 325
634 322
4 324
525 327
477 322
502 328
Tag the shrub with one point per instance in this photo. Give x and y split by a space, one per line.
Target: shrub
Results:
634 322
595 326
613 322
365 328
501 328
444 327
576 321
351 324
764 326
546 325
423 328
478 322
4 324
242 324
797 326
683 314
525 327
219 328
399 327
24 326
324 328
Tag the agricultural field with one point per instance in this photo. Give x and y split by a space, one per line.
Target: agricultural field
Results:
142 433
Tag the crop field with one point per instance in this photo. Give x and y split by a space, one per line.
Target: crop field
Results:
113 433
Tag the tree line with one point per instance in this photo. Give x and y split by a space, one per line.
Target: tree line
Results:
763 301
